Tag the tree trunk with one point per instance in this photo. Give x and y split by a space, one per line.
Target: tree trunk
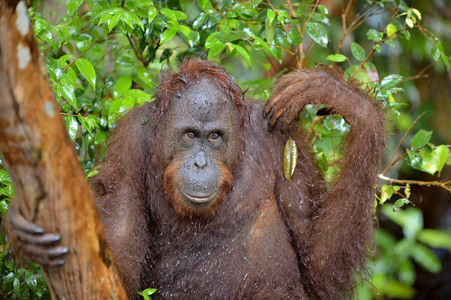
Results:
50 186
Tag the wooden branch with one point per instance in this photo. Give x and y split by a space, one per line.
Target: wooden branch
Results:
442 184
50 186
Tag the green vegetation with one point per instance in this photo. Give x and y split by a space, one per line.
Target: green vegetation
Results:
104 57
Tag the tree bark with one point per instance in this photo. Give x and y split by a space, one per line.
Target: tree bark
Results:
50 186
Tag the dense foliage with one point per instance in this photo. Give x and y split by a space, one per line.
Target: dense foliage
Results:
104 57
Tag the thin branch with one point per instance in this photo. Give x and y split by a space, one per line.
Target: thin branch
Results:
380 42
138 55
290 5
311 127
419 75
309 17
443 185
277 13
251 37
392 160
81 54
343 20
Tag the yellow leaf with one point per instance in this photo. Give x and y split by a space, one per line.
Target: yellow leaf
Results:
290 156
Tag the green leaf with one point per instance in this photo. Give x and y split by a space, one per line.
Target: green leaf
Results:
409 22
122 85
16 285
30 279
216 46
138 96
47 36
290 156
101 136
40 24
425 258
210 39
129 18
68 93
392 288
114 20
180 15
445 60
374 35
146 293
386 193
391 30
197 24
336 57
270 16
53 68
152 14
113 112
243 52
72 5
400 203
168 13
435 51
88 122
125 61
420 139
4 176
406 271
259 42
417 13
270 30
72 74
185 30
415 159
435 238
126 104
71 126
206 6
62 61
433 160
318 33
294 37
144 75
441 153
357 51
361 75
410 219
255 3
227 37
391 80
87 70
170 32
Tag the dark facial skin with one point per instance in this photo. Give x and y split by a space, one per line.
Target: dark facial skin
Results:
199 139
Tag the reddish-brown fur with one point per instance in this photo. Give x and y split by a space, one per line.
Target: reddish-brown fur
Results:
188 211
269 238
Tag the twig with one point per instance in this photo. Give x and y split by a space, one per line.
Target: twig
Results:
277 13
81 54
392 160
345 31
437 183
309 17
419 75
138 55
381 42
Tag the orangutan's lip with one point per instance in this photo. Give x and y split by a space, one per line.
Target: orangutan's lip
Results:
198 199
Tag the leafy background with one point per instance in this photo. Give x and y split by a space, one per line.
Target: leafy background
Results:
104 57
